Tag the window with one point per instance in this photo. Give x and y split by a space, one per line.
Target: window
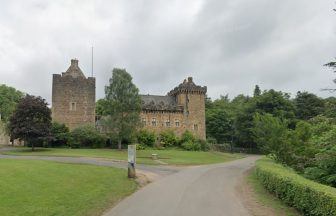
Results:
195 127
153 121
72 106
167 123
177 123
143 121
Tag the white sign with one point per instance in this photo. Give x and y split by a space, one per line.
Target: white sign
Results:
131 153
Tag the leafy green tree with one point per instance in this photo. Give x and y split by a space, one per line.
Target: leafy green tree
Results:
271 135
60 134
257 91
276 103
330 107
9 97
101 106
123 106
31 120
308 105
219 125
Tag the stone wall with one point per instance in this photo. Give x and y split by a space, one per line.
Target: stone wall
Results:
163 121
194 113
191 117
73 99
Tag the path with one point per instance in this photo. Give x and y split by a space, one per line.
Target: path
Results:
198 191
154 172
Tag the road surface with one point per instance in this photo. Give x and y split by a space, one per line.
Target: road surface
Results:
199 191
154 172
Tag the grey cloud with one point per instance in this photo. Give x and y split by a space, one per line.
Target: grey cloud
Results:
227 45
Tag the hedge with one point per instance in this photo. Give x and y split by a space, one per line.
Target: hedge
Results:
307 196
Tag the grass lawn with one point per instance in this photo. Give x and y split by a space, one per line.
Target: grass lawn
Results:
267 199
33 187
171 157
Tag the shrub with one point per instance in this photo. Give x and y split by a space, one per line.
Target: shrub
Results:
146 138
309 197
211 140
60 135
87 136
205 146
140 147
187 136
191 146
168 138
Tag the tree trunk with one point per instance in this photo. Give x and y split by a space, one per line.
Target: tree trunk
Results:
119 144
32 146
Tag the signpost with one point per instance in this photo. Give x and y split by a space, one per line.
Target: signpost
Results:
131 160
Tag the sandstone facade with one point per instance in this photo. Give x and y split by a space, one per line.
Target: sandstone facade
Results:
73 97
183 108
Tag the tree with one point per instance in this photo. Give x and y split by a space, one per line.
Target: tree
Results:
60 134
101 105
308 105
123 106
9 97
257 91
271 135
219 125
330 107
31 120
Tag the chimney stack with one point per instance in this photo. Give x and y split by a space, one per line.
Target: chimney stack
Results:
74 62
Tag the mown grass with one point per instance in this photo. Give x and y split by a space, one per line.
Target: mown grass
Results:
33 188
267 199
171 157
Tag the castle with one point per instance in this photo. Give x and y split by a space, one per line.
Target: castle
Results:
183 108
73 97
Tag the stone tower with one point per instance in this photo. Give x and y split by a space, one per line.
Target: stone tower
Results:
73 97
192 98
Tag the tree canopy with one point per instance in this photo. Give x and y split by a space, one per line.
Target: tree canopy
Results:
9 97
31 120
122 106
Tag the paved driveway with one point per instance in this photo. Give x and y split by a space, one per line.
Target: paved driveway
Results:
198 191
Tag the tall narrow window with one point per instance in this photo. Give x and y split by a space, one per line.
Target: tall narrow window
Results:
143 121
72 106
153 121
195 127
167 123
177 123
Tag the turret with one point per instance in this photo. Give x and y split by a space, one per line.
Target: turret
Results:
192 98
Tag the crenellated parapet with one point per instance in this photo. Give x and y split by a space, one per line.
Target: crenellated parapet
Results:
188 86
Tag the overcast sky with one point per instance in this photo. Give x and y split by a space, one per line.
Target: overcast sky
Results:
227 45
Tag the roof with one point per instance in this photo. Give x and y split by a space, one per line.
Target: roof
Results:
160 103
188 86
74 70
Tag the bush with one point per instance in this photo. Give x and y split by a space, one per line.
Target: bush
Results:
309 197
140 147
60 135
187 136
191 146
211 140
87 136
146 138
169 139
205 146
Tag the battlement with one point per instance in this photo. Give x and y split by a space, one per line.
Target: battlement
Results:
188 86
73 97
